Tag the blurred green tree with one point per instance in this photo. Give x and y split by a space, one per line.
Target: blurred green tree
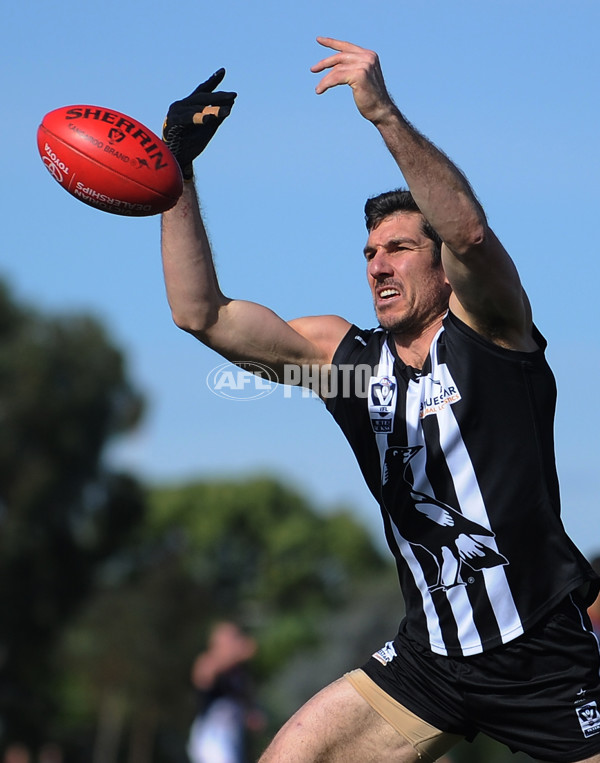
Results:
252 550
63 394
264 553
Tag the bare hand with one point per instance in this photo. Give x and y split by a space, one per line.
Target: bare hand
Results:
359 68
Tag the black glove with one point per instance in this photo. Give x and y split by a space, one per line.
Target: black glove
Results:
192 121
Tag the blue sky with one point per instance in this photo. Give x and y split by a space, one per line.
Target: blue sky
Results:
509 89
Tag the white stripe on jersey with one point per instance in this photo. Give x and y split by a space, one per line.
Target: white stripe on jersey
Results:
472 506
386 368
457 597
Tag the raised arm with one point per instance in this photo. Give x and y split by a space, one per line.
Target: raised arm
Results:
487 292
238 330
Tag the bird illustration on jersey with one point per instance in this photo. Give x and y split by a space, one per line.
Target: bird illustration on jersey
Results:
447 535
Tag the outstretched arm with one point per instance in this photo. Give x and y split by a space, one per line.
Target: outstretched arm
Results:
487 293
238 330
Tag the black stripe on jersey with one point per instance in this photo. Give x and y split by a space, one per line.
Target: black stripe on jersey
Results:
442 483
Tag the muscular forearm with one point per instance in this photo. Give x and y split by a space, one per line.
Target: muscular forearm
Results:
192 287
439 188
237 329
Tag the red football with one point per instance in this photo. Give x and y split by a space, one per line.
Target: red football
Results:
109 160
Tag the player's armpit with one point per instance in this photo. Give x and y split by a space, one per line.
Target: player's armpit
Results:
487 294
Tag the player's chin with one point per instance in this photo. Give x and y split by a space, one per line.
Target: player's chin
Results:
387 317
389 324
397 323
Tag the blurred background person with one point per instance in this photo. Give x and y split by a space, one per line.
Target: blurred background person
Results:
226 708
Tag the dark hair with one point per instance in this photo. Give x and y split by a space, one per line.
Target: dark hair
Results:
389 203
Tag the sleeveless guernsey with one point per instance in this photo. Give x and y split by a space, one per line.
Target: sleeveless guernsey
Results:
460 457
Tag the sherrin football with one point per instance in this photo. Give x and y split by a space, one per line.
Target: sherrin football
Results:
109 160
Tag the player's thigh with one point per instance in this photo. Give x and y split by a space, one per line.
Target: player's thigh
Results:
338 726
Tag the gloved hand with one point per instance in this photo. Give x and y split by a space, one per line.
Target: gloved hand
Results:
192 121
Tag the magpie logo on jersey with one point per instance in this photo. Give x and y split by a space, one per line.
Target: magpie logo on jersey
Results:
447 535
382 403
589 719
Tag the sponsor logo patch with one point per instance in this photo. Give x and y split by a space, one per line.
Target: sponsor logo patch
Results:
386 653
437 393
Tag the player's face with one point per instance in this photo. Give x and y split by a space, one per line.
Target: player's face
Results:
409 291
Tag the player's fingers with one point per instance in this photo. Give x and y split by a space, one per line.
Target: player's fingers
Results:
207 111
357 58
221 97
210 84
210 113
326 63
193 105
338 76
339 60
343 45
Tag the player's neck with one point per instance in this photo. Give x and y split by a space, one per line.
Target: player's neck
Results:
413 349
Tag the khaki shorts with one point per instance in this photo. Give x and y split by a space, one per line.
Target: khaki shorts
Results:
429 743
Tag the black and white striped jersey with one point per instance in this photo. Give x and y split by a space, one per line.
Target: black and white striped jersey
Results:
460 457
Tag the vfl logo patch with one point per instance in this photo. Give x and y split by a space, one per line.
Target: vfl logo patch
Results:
382 403
386 653
589 719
